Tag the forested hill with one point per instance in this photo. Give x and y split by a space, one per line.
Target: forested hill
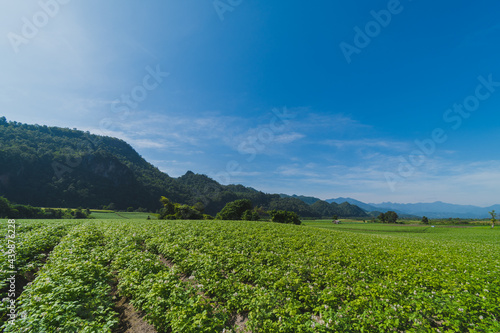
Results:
59 167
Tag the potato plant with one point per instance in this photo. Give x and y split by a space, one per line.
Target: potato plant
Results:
33 242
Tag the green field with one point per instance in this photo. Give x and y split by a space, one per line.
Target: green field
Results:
221 276
112 215
469 234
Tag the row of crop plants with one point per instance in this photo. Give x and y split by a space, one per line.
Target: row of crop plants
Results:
72 291
24 249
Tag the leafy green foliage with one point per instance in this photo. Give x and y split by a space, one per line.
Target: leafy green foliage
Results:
72 291
388 217
32 244
175 211
12 211
250 215
235 210
493 218
281 216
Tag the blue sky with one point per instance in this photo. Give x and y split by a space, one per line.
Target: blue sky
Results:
375 100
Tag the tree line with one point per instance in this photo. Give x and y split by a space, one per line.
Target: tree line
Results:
15 211
237 210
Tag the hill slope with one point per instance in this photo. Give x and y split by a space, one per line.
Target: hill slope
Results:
50 166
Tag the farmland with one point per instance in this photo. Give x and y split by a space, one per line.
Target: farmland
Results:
220 276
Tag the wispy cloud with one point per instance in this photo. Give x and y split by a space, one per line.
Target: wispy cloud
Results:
288 138
334 121
445 180
372 143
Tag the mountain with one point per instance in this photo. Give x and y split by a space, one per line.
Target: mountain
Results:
433 210
373 210
307 200
342 209
440 209
59 167
358 203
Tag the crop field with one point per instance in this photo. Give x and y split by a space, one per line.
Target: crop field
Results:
468 234
221 276
112 215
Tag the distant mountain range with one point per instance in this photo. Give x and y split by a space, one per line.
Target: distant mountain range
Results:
433 210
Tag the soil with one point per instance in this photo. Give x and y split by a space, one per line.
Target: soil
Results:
239 321
131 321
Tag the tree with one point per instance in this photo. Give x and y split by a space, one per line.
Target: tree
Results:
493 218
250 215
391 217
168 207
382 218
185 212
199 206
425 220
175 211
234 210
282 216
5 209
79 214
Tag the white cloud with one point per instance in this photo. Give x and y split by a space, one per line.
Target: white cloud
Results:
372 143
288 138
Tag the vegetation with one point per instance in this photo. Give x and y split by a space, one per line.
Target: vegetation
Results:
235 210
32 242
388 217
72 291
13 211
493 218
175 211
107 215
200 276
282 216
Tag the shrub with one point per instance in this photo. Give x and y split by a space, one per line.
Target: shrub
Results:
282 216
